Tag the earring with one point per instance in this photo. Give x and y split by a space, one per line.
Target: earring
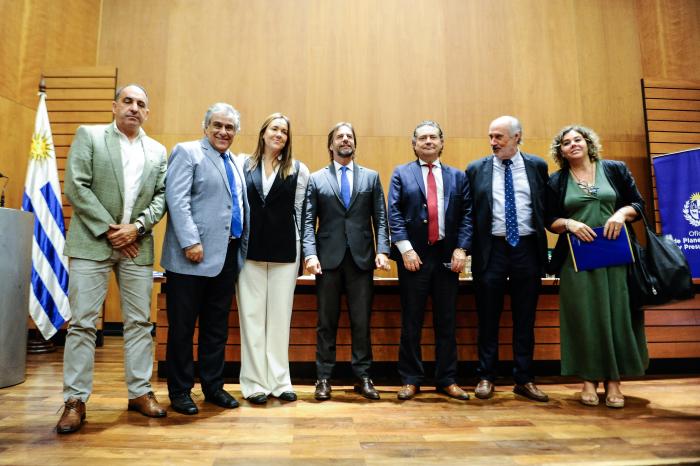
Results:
279 157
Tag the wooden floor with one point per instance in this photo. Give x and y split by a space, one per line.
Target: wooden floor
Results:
660 425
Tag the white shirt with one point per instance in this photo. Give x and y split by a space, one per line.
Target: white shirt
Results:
133 159
405 245
523 200
268 181
339 173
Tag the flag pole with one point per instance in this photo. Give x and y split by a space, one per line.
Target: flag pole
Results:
36 343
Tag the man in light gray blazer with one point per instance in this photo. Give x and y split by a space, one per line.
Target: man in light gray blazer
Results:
205 245
347 202
115 183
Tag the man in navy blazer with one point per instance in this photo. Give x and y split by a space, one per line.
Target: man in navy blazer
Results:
430 224
205 245
498 265
345 216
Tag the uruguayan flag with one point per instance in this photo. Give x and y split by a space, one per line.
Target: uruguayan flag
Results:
48 299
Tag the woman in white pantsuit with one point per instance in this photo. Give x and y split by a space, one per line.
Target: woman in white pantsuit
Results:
276 185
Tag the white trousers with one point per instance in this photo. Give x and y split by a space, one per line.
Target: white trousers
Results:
265 294
87 290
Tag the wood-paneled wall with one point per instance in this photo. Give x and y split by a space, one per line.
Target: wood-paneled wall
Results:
35 34
382 64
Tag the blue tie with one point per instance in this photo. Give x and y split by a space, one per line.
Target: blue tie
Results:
512 236
236 222
344 186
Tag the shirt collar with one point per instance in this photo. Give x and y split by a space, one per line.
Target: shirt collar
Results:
517 160
436 163
141 134
350 166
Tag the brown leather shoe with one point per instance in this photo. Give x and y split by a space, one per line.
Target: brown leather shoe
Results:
147 405
407 392
530 390
72 417
365 387
323 390
454 391
484 390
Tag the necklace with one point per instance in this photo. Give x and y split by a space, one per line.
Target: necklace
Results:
590 188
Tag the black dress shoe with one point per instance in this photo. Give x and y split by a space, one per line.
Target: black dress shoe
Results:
530 390
365 387
257 398
323 390
222 398
183 404
287 396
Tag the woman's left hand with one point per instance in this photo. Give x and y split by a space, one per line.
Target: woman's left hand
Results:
614 225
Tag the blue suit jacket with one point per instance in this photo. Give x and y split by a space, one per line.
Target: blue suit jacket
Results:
408 210
199 209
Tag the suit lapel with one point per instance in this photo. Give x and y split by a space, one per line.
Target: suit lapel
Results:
256 178
529 169
115 157
358 177
213 156
487 179
276 187
148 164
418 174
447 185
333 182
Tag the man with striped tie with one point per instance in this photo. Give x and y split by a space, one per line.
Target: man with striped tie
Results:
115 181
204 249
510 251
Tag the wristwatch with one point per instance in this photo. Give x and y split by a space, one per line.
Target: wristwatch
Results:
140 229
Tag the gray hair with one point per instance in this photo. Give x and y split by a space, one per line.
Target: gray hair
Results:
221 107
119 90
514 125
432 123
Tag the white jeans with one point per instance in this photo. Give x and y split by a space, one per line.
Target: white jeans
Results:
265 294
88 281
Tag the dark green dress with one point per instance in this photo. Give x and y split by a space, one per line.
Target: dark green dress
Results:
600 338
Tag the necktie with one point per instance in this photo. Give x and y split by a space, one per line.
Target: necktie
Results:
433 227
236 220
344 186
512 235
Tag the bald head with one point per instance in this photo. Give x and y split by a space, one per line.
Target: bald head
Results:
505 133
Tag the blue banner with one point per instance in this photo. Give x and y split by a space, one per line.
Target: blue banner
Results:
678 191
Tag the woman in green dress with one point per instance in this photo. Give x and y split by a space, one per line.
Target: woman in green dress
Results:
602 339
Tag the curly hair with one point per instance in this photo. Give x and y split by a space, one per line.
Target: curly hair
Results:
592 141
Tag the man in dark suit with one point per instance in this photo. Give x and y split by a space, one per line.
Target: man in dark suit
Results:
430 223
205 245
347 202
510 251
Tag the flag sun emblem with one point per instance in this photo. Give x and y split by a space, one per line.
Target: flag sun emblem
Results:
691 210
40 148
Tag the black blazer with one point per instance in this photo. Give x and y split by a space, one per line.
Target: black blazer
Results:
622 183
273 232
480 175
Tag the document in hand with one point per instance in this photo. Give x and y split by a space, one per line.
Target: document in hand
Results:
601 252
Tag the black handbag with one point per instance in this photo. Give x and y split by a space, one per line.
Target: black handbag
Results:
660 273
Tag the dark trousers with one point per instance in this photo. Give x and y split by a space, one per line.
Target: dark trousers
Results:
209 298
357 285
515 268
433 279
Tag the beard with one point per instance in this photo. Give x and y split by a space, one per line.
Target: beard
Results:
346 152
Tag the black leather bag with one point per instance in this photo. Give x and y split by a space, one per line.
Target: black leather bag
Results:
660 273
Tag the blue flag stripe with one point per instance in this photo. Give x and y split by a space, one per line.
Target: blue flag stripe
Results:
27 203
54 207
46 247
47 303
